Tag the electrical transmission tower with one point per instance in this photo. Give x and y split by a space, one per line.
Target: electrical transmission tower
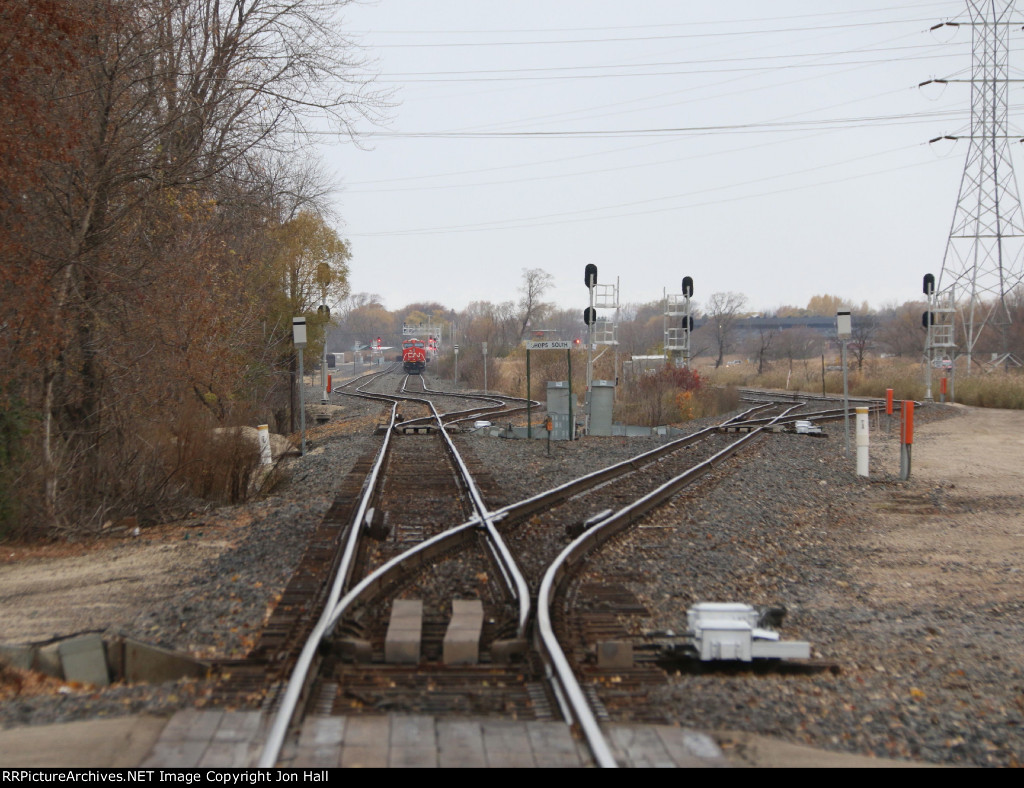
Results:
984 259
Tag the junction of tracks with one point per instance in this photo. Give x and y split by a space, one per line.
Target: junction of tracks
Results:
552 593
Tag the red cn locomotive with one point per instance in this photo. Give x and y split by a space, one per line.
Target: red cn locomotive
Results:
414 356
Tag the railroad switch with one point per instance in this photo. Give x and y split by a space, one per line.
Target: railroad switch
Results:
420 429
736 631
375 522
806 427
575 529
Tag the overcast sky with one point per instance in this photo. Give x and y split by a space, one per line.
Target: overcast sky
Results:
775 149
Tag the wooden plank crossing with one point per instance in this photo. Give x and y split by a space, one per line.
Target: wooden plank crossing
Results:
194 737
235 739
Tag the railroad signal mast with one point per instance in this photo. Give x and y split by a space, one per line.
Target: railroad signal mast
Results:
677 339
600 331
430 330
984 257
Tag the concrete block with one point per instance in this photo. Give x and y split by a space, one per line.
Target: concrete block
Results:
462 638
612 654
17 656
143 662
115 658
84 660
47 661
405 631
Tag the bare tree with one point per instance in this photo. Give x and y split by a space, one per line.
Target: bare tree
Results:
181 109
760 343
536 282
495 324
900 330
799 342
722 312
864 328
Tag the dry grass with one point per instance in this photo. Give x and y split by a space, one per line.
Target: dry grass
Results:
981 389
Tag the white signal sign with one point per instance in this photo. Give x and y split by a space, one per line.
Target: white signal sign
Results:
299 332
549 344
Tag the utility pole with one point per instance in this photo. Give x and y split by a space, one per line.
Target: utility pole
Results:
984 258
299 343
844 330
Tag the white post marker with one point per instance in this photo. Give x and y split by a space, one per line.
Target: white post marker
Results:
263 433
862 441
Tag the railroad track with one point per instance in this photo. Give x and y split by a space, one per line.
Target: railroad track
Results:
464 552
305 674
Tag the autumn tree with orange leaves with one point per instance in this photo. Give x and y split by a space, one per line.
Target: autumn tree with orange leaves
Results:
149 151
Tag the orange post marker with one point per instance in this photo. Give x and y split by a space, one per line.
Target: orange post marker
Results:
942 385
888 402
906 437
328 384
907 422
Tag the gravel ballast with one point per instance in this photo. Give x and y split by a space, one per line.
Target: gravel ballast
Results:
935 679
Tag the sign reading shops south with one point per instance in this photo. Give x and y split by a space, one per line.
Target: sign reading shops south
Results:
551 344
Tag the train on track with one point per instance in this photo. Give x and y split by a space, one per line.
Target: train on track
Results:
414 356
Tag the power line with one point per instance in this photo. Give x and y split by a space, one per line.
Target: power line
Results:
564 218
524 75
767 127
688 24
662 64
627 39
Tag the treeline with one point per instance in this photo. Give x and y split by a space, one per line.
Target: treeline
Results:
724 326
162 220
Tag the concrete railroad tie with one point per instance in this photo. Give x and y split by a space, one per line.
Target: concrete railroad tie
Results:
462 639
403 642
405 630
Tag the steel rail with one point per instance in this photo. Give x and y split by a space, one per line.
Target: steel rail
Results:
555 659
757 395
473 413
513 576
383 575
563 492
300 673
793 396
338 604
822 415
497 406
297 681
